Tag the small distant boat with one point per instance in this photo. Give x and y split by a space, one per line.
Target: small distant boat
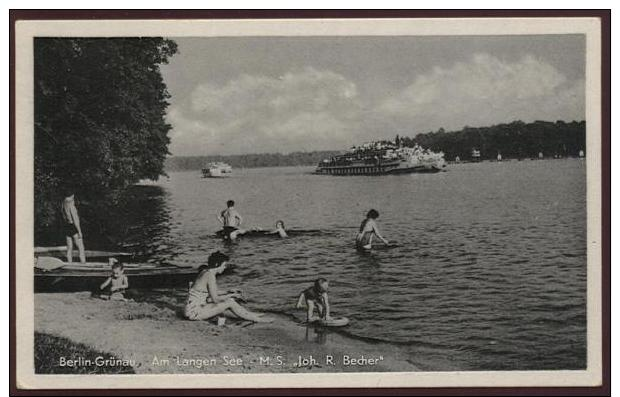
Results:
216 170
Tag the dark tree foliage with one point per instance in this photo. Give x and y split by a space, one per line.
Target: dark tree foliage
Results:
98 118
513 140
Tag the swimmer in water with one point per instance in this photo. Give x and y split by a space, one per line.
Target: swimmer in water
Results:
280 230
368 230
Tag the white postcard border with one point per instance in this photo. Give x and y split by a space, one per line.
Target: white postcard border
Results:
24 304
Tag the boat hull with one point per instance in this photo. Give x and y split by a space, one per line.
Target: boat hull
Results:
216 170
76 279
61 252
214 174
378 170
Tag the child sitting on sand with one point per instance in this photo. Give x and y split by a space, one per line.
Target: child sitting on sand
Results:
316 297
115 286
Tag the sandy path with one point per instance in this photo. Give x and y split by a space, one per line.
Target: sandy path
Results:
148 335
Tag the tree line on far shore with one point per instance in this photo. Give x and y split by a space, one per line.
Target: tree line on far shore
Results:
183 163
511 140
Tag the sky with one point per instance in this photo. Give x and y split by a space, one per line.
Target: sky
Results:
285 94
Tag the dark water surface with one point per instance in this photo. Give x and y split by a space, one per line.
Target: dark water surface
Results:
490 272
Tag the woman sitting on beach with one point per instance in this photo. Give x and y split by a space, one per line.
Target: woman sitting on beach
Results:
204 301
368 230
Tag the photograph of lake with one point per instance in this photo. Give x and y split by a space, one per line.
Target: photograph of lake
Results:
310 204
489 272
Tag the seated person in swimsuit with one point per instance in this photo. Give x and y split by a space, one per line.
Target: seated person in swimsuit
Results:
205 301
316 297
71 227
368 230
114 287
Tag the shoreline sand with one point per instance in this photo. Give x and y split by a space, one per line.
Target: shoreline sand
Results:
155 339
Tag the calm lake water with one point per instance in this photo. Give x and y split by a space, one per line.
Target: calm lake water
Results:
489 274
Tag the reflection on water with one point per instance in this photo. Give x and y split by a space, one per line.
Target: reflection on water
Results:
316 335
490 271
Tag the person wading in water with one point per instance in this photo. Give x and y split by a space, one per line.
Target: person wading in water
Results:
368 230
231 221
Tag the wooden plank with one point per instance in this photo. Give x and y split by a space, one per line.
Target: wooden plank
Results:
60 251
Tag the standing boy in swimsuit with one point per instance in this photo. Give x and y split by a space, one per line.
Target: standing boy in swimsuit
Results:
71 227
230 220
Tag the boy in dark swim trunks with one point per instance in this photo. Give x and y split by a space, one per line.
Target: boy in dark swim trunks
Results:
230 220
71 227
316 297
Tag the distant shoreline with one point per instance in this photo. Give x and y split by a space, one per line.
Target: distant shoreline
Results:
515 140
451 162
255 160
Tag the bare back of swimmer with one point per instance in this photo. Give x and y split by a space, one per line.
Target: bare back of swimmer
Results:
231 220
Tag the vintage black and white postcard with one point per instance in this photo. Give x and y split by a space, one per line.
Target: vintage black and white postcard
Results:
264 203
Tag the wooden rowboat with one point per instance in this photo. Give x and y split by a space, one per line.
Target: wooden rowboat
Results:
61 252
88 277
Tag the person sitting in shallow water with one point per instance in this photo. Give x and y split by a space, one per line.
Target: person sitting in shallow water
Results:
368 230
233 235
279 230
205 301
315 297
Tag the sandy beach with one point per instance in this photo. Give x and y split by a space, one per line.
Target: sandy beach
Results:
156 339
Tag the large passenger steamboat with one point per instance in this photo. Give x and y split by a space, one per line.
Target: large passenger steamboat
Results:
379 158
